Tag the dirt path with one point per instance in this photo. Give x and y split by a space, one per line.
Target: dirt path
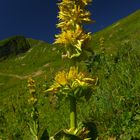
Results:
12 75
34 74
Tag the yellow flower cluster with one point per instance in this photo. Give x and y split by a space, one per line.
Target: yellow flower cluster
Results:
72 16
31 86
101 41
69 82
32 100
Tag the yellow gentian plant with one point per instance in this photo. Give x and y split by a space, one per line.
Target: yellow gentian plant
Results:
72 83
34 124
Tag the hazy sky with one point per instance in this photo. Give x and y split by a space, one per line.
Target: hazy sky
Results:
37 18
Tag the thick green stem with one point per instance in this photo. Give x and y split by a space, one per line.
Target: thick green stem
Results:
73 115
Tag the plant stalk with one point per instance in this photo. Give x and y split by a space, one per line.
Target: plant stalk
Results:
73 115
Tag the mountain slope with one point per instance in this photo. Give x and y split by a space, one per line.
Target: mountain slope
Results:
125 31
46 59
43 60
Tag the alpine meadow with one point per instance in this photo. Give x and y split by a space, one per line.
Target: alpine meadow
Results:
82 87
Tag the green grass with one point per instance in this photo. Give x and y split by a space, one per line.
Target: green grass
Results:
115 106
123 31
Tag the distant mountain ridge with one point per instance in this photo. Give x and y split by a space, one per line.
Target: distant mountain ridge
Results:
13 46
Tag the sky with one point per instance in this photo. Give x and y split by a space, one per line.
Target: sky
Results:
37 19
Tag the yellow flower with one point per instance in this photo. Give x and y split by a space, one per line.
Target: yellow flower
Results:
32 100
53 88
61 78
86 1
31 85
73 72
73 40
31 81
71 17
70 82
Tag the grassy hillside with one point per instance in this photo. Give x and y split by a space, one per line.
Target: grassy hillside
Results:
116 107
118 34
115 62
41 61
